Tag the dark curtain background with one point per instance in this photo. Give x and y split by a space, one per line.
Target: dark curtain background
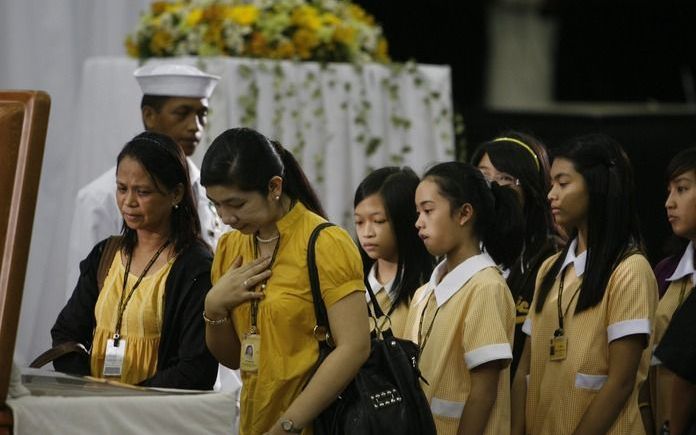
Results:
620 50
449 32
607 51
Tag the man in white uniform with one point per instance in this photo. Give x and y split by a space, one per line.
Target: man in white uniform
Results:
175 103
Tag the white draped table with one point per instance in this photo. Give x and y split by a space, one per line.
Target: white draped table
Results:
167 414
340 120
55 403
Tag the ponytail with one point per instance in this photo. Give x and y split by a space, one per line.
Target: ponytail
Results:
295 181
498 218
503 235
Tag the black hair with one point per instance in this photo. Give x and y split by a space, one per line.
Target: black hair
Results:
246 159
612 219
154 101
683 162
531 167
166 165
397 189
497 214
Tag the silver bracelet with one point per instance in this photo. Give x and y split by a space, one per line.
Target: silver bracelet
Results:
218 322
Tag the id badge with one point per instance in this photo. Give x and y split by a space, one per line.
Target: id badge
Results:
113 360
251 347
558 348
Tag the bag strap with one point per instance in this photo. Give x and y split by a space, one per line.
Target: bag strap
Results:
319 306
375 305
111 246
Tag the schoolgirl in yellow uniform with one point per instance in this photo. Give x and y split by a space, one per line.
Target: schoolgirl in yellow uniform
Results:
520 161
590 322
681 213
464 318
395 261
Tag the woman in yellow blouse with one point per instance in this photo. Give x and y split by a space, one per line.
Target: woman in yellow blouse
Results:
591 317
395 261
143 325
260 313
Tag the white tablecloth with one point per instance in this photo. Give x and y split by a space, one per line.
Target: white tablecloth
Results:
70 405
341 121
209 413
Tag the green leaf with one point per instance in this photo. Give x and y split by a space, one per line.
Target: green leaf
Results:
372 145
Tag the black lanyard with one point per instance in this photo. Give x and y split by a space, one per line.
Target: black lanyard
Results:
254 314
422 341
682 292
561 315
123 303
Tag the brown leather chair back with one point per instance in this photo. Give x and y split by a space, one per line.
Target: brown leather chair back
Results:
23 124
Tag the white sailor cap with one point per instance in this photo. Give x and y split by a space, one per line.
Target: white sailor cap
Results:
175 80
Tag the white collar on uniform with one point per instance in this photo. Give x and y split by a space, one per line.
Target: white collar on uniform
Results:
376 286
578 261
194 172
686 265
456 279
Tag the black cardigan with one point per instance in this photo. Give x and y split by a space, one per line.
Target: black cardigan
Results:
183 360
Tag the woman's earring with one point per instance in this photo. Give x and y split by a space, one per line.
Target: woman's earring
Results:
176 206
277 197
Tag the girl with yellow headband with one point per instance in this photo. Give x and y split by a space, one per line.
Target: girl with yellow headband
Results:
520 162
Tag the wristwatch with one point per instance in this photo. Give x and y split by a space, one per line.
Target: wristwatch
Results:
289 426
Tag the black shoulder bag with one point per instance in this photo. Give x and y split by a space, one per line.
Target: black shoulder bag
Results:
385 397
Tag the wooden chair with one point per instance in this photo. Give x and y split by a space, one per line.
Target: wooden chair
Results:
23 125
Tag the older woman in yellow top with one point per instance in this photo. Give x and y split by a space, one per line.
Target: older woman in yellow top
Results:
259 313
143 323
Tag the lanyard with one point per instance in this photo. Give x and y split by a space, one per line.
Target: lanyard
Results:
123 303
560 331
682 292
254 314
421 339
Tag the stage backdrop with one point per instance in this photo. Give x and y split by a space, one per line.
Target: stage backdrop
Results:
340 120
45 45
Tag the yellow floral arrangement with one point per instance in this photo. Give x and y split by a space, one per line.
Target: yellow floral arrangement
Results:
308 30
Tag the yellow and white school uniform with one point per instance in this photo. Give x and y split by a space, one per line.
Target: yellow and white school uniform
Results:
460 322
559 392
385 299
681 284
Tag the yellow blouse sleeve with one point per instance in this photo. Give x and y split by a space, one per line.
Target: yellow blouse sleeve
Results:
632 293
339 265
486 324
228 248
